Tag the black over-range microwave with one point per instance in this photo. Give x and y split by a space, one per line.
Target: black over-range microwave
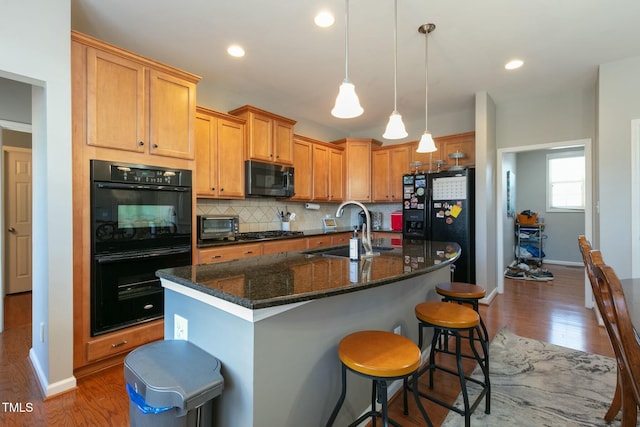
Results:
268 179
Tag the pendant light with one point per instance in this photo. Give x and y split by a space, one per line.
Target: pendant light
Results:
347 102
426 144
395 128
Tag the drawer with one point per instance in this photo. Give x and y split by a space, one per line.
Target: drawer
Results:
123 341
228 253
319 241
286 245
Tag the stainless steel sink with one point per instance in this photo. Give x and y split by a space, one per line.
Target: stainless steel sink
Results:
343 251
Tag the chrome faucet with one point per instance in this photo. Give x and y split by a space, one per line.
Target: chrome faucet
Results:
366 239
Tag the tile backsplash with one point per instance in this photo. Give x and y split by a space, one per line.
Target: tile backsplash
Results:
262 214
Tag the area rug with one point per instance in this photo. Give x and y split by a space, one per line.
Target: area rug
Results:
540 384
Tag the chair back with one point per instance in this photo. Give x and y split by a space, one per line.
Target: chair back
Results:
620 327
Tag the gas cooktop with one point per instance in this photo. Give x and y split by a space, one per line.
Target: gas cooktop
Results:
271 234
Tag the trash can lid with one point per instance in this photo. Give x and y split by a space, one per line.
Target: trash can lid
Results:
173 373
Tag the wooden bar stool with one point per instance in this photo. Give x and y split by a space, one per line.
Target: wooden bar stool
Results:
464 293
454 319
381 356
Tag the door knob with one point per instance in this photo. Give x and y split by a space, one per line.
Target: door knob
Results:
12 230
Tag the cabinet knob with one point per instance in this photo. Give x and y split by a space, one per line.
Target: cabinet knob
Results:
155 145
213 188
140 143
222 189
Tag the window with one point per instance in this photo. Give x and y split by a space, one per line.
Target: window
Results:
565 181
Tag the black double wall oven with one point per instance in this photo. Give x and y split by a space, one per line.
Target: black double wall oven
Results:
141 222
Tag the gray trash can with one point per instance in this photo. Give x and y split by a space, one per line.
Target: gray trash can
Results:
171 384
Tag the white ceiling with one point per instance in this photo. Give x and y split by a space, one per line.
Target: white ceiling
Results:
292 64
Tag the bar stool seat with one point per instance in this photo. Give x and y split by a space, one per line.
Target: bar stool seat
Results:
454 319
381 356
464 293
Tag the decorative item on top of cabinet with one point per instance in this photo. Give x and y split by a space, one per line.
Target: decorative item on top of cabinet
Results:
358 167
219 155
389 164
269 136
133 103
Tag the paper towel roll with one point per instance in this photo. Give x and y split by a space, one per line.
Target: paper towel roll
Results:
312 206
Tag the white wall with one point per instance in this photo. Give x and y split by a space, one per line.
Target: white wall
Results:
35 46
486 240
619 103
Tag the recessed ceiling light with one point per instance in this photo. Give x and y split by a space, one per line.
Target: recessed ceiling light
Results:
324 19
513 64
235 51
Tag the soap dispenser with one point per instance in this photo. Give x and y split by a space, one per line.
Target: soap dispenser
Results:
354 246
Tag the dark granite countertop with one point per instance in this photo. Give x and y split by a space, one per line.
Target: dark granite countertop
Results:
291 277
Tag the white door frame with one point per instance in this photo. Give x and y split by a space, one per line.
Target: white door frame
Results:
20 127
588 211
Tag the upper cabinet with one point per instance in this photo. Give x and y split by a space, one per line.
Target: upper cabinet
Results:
357 176
458 143
133 103
269 136
389 164
219 155
318 170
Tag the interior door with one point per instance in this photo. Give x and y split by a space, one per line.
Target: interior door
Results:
18 176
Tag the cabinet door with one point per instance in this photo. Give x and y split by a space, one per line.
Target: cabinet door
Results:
398 166
115 102
464 145
336 175
380 175
260 137
172 109
282 143
230 159
320 172
205 147
303 167
358 179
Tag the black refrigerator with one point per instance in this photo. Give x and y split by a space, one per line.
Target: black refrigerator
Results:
441 207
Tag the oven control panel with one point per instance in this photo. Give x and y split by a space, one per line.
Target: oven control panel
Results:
139 174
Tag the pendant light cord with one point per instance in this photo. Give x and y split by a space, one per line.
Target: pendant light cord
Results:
346 40
426 79
395 56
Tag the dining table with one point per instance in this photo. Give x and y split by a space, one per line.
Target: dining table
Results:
631 288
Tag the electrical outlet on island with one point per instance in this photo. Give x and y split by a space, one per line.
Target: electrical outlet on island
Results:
180 328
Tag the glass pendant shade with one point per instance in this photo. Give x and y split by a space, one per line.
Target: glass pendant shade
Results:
347 102
395 128
426 144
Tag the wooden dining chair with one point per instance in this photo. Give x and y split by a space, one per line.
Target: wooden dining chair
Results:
587 255
623 337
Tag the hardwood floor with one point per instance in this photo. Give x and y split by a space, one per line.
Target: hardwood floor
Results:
549 311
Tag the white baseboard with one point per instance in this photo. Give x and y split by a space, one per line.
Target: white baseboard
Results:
567 263
50 389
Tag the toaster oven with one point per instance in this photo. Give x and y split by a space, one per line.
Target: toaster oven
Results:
217 227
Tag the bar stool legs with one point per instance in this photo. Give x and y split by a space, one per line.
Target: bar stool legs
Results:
455 320
400 359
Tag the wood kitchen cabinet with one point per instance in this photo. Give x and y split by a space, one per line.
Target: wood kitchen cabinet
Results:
328 167
219 155
462 142
303 166
135 104
131 109
357 176
269 136
318 170
228 253
388 166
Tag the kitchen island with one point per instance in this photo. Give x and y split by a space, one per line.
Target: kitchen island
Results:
275 323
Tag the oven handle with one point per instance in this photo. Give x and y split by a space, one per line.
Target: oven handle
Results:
104 259
141 187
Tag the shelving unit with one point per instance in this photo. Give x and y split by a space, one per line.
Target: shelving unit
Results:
529 234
